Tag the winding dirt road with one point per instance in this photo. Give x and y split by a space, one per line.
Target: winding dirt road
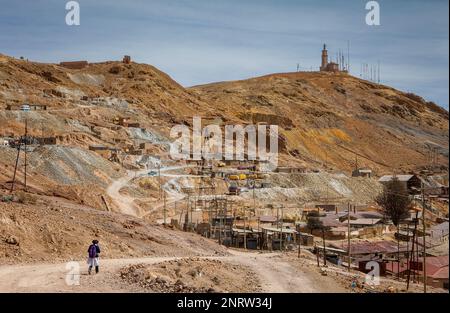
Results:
275 274
126 203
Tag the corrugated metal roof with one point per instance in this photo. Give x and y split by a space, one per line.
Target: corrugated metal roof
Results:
365 221
279 230
373 247
268 218
402 178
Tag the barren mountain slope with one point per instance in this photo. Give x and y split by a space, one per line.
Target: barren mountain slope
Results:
325 117
38 229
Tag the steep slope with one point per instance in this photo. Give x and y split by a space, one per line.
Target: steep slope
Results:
329 118
326 119
93 95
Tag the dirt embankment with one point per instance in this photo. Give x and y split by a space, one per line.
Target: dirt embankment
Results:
192 275
50 229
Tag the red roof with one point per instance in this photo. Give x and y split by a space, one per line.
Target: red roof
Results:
368 247
437 267
441 273
436 264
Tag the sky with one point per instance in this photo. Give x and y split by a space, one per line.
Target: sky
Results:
204 41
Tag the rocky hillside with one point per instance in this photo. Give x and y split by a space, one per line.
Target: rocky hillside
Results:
325 119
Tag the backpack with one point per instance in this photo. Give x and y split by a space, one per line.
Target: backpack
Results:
92 251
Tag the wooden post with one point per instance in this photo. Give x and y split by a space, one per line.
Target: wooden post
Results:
398 251
317 255
282 247
349 260
159 181
412 250
106 204
245 230
165 210
324 251
15 167
424 242
26 139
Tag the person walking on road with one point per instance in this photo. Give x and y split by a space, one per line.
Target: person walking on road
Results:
93 256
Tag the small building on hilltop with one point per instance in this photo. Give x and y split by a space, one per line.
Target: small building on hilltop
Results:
126 59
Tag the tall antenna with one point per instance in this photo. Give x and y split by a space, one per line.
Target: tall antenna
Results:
339 60
348 56
379 71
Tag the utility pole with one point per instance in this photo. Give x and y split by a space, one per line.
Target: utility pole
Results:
282 219
278 221
424 241
26 139
348 235
317 254
299 244
254 199
245 230
159 180
411 257
15 167
165 211
220 222
324 251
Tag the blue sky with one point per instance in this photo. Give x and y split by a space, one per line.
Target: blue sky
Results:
202 41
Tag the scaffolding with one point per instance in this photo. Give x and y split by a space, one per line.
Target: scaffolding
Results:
221 220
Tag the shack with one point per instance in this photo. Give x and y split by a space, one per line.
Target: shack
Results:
253 238
412 183
278 238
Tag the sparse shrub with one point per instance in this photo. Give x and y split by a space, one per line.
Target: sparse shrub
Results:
115 70
25 198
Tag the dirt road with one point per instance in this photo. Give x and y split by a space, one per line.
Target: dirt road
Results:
274 273
126 203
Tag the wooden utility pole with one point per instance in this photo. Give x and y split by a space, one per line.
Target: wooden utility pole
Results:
105 203
398 252
349 260
165 210
281 234
411 257
317 254
26 139
424 241
324 251
159 181
245 230
220 223
15 167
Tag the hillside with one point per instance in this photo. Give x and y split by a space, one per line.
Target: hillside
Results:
327 118
98 166
325 121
